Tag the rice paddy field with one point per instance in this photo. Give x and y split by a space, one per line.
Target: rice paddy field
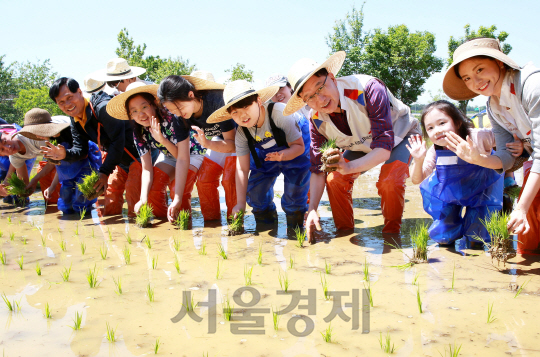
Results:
105 287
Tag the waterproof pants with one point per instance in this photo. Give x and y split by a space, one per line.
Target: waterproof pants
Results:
529 243
157 196
46 181
454 185
117 184
188 188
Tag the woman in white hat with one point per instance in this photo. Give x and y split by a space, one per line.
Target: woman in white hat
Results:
267 145
155 128
513 107
195 98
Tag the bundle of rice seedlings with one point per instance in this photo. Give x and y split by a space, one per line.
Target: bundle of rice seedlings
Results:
182 220
513 191
87 186
237 224
17 187
501 247
145 215
419 239
327 150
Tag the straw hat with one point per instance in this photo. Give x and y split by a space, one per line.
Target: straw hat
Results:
91 85
302 70
117 70
39 122
276 80
454 86
203 80
235 92
117 106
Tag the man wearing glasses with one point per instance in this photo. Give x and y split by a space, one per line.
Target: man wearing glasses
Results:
368 123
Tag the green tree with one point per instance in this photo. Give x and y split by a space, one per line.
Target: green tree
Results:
482 31
127 50
34 75
170 66
8 91
36 98
239 71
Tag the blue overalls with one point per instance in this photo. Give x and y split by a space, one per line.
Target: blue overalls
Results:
456 184
4 167
260 190
69 174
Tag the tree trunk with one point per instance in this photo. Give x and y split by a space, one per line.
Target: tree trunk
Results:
463 106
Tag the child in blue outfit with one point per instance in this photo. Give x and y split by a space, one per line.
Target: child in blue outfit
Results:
267 144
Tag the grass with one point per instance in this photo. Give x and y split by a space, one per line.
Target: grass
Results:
367 287
419 299
327 334
150 292
128 238
148 242
291 262
83 248
490 317
176 244
521 288
366 270
65 274
259 257
82 213
386 345
63 245
327 267
103 251
154 261
127 254
221 251
3 257
237 223
20 262
118 285
501 245
300 236
275 319
182 220
156 346
144 216
111 333
453 351
228 309
47 312
91 277
453 277
176 264
202 251
324 285
283 281
15 185
38 269
247 275
77 320
219 273
87 185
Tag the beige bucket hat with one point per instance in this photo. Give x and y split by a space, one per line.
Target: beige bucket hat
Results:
117 106
453 86
92 86
117 69
302 70
38 122
235 92
203 80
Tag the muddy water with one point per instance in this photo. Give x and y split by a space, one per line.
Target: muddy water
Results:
449 317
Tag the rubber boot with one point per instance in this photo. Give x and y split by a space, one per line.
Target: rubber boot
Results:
157 197
186 198
133 187
294 220
530 243
268 217
207 187
114 195
339 188
229 183
46 181
391 187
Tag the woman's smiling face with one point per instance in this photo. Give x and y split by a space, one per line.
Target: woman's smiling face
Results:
141 111
482 75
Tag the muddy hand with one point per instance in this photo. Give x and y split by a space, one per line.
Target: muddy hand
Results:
312 220
517 223
101 183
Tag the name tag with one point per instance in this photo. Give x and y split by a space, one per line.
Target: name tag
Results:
269 144
447 160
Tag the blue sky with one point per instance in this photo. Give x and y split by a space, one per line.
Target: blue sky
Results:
266 36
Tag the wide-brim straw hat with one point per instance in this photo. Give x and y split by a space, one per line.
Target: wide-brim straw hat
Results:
117 106
91 85
276 79
39 122
203 80
302 70
117 69
235 92
453 86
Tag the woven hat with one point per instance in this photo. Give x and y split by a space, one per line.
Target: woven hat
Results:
203 80
235 92
453 86
276 80
117 70
117 106
302 70
91 85
39 122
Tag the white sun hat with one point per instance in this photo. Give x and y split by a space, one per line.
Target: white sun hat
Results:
91 85
117 69
203 80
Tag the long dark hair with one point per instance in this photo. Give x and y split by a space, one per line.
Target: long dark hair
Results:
461 122
176 88
138 128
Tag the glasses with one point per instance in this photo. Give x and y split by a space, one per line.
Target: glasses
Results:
137 113
317 92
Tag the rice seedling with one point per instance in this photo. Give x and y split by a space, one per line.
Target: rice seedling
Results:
415 279
53 141
327 151
118 285
156 346
16 186
327 334
150 292
148 242
77 320
9 219
59 231
283 281
247 275
501 246
20 262
291 262
228 309
221 251
419 299
38 269
3 257
490 317
237 223
367 288
103 251
63 245
154 261
513 192
1 233
110 234
47 312
453 351
77 229
219 273
87 186
366 270
190 304
127 254
419 239
91 277
182 220
43 241
176 244
300 234
521 288
111 333
24 240
386 345
259 257
176 264
10 306
12 236
65 274
275 319
128 237
202 251
144 216
83 248
324 285
453 277
327 267
93 235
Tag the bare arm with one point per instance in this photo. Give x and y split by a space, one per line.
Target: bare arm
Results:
242 175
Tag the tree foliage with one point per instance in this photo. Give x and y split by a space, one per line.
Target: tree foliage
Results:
36 98
239 71
8 91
